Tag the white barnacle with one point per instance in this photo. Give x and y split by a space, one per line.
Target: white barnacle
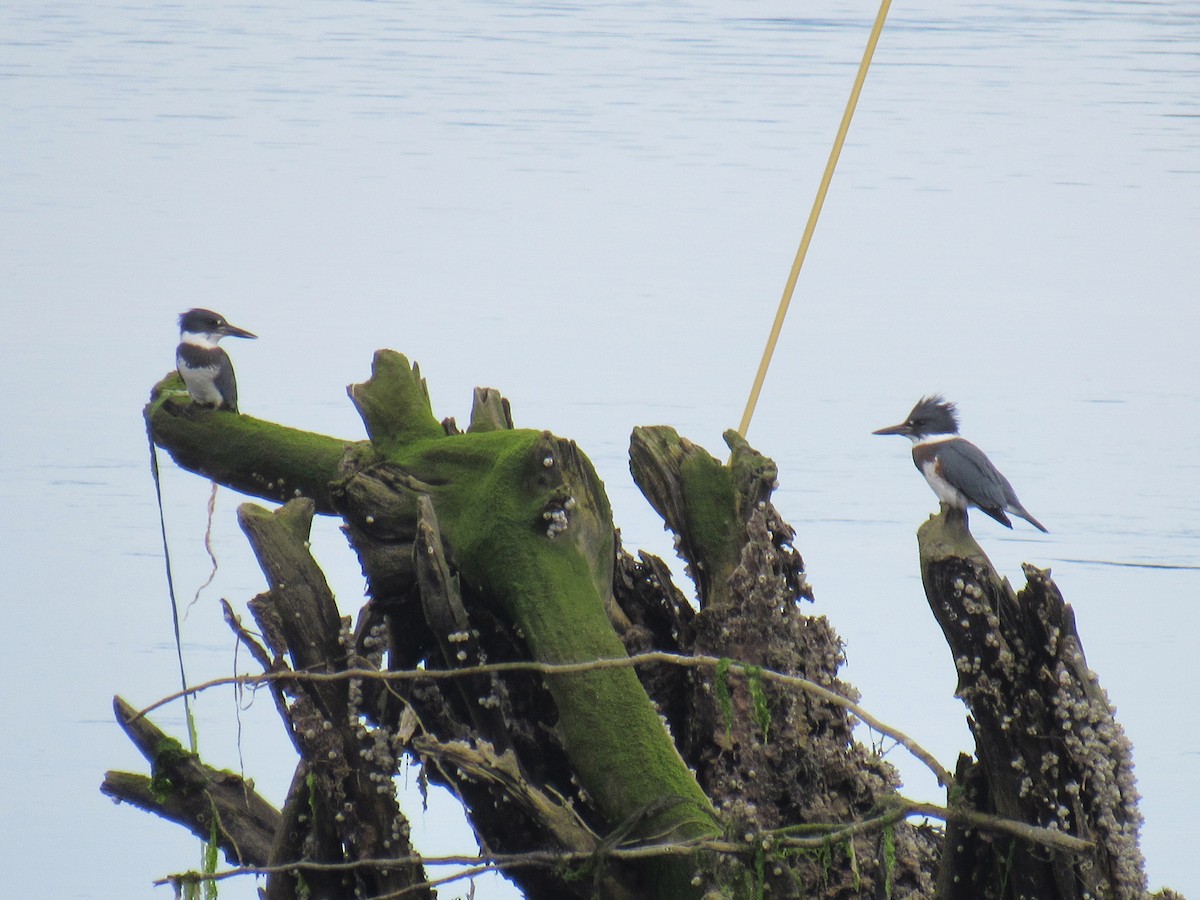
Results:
558 522
548 461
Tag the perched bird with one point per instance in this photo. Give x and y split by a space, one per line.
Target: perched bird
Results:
205 367
956 469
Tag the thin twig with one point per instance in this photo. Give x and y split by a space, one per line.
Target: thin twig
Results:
701 662
780 837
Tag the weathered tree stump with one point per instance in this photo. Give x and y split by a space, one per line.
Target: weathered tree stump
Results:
1048 748
496 545
770 758
525 524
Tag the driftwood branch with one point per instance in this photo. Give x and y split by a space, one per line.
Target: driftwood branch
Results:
206 801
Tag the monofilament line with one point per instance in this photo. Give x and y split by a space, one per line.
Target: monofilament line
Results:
813 215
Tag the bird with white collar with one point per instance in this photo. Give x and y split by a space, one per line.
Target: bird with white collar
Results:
205 368
958 471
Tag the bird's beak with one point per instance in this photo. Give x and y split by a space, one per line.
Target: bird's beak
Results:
228 330
902 428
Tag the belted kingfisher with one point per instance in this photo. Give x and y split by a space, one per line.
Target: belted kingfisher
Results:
205 367
956 469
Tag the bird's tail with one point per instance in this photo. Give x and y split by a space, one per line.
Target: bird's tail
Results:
1018 510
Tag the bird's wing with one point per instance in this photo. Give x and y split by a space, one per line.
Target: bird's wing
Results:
966 467
227 382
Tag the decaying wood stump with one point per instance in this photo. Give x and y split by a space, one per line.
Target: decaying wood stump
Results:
1048 748
769 757
497 545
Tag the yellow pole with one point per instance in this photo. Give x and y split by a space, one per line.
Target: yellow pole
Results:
818 202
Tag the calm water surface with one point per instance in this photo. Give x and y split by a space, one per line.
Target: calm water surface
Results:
593 207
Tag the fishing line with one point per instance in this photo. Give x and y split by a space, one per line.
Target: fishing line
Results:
162 522
818 202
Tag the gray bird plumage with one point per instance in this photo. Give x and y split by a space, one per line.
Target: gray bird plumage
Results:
963 465
959 472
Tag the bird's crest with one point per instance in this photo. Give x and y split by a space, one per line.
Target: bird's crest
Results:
934 414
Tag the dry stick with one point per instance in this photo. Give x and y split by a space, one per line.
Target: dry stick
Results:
472 872
780 837
657 656
943 776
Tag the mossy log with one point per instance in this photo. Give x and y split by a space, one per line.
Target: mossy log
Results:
526 525
1048 748
249 455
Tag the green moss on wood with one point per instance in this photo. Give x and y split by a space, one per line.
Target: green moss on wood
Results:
710 507
705 502
945 535
492 491
253 456
527 525
394 403
501 497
